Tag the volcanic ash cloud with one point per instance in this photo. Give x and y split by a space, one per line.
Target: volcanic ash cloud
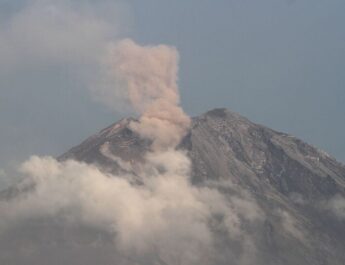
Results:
148 75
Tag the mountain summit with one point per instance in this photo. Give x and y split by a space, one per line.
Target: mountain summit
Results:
298 188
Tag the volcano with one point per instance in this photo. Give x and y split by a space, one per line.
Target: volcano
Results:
298 189
294 183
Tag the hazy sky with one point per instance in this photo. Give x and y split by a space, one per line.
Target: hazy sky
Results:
278 62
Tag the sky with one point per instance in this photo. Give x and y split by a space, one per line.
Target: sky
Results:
278 62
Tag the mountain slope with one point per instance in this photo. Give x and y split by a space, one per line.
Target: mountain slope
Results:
295 185
250 195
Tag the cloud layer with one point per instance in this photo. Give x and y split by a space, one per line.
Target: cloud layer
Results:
164 218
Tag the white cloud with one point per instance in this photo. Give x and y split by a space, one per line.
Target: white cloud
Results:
165 216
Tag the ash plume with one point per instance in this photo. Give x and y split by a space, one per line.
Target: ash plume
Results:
148 75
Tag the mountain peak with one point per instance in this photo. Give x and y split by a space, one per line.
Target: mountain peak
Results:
223 113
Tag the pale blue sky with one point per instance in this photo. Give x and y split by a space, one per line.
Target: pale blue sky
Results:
278 62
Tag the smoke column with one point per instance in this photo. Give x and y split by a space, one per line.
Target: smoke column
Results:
149 75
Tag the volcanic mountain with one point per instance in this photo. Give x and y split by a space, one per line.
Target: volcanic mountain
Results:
289 197
299 188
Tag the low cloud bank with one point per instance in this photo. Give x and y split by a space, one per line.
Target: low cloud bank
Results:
163 218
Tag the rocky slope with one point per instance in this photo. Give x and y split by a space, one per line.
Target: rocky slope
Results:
299 188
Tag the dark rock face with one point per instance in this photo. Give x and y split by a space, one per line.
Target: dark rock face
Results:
291 182
235 148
